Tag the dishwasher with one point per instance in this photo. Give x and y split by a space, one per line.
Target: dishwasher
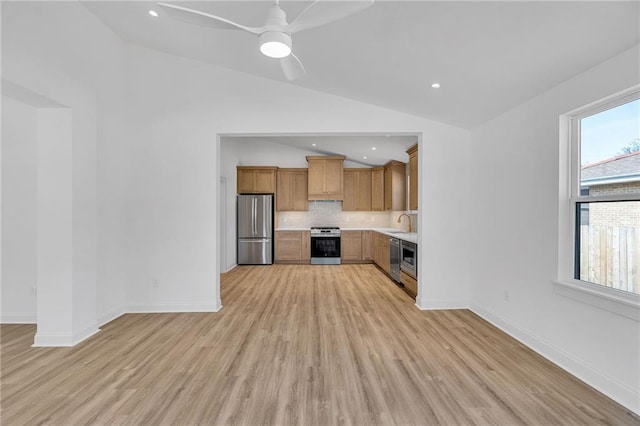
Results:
394 259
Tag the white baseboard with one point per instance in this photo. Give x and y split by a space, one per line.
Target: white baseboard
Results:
110 315
58 340
19 318
434 305
230 268
619 392
174 307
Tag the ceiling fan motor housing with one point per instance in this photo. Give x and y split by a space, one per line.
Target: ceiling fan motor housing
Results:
276 18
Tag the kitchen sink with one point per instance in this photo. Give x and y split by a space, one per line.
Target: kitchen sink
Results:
397 232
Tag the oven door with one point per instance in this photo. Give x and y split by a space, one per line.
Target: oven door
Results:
408 259
325 249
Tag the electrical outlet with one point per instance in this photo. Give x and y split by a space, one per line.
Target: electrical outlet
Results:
506 294
155 283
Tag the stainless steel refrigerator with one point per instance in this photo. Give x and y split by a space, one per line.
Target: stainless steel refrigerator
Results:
255 229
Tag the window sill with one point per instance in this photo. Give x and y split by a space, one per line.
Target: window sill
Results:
615 301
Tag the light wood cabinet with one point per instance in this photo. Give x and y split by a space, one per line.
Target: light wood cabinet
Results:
395 186
413 177
292 246
256 180
326 177
305 256
367 246
410 284
381 252
292 190
351 245
377 189
357 190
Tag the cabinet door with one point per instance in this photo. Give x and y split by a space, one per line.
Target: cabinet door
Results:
350 200
292 190
395 183
385 259
306 246
377 189
264 181
333 184
366 246
256 180
284 200
375 242
299 194
244 181
316 180
288 245
351 245
364 190
413 180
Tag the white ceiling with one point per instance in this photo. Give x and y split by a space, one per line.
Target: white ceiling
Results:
354 147
488 56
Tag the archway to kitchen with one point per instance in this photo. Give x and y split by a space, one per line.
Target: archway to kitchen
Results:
289 151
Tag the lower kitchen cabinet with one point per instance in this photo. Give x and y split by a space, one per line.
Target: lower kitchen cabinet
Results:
351 246
356 246
410 283
367 246
293 247
381 251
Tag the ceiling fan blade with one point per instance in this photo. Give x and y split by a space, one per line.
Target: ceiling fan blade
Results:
202 18
292 67
322 12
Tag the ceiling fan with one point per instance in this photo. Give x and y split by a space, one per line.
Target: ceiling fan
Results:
275 34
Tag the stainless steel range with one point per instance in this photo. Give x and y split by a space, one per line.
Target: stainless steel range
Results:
325 245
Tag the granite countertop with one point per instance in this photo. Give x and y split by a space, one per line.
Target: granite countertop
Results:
412 237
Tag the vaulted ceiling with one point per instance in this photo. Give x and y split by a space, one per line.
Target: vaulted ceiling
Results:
487 56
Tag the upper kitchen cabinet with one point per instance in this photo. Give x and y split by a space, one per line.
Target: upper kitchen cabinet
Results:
395 178
377 188
325 177
292 190
413 177
357 190
256 179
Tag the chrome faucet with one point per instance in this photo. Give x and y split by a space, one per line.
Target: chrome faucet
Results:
408 217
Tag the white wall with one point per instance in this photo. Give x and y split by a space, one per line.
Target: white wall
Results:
514 212
179 106
83 73
19 142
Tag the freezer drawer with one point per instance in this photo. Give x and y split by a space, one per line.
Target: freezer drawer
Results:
255 251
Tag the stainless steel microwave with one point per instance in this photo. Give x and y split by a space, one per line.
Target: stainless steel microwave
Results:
409 258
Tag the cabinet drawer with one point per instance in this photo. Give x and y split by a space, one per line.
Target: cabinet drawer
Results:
410 284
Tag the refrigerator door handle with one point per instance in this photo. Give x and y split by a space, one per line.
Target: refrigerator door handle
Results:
255 219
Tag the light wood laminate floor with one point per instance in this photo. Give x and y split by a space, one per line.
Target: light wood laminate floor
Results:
305 345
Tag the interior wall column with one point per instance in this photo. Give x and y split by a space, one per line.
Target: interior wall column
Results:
58 310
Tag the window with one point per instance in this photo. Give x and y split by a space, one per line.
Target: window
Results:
600 214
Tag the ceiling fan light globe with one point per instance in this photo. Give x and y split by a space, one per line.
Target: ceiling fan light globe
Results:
275 44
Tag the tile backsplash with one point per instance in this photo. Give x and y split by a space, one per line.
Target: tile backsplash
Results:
329 213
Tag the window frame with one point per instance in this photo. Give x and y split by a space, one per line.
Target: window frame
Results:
617 301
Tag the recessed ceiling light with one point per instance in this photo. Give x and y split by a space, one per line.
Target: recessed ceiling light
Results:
436 85
373 148
364 156
153 13
388 135
313 144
